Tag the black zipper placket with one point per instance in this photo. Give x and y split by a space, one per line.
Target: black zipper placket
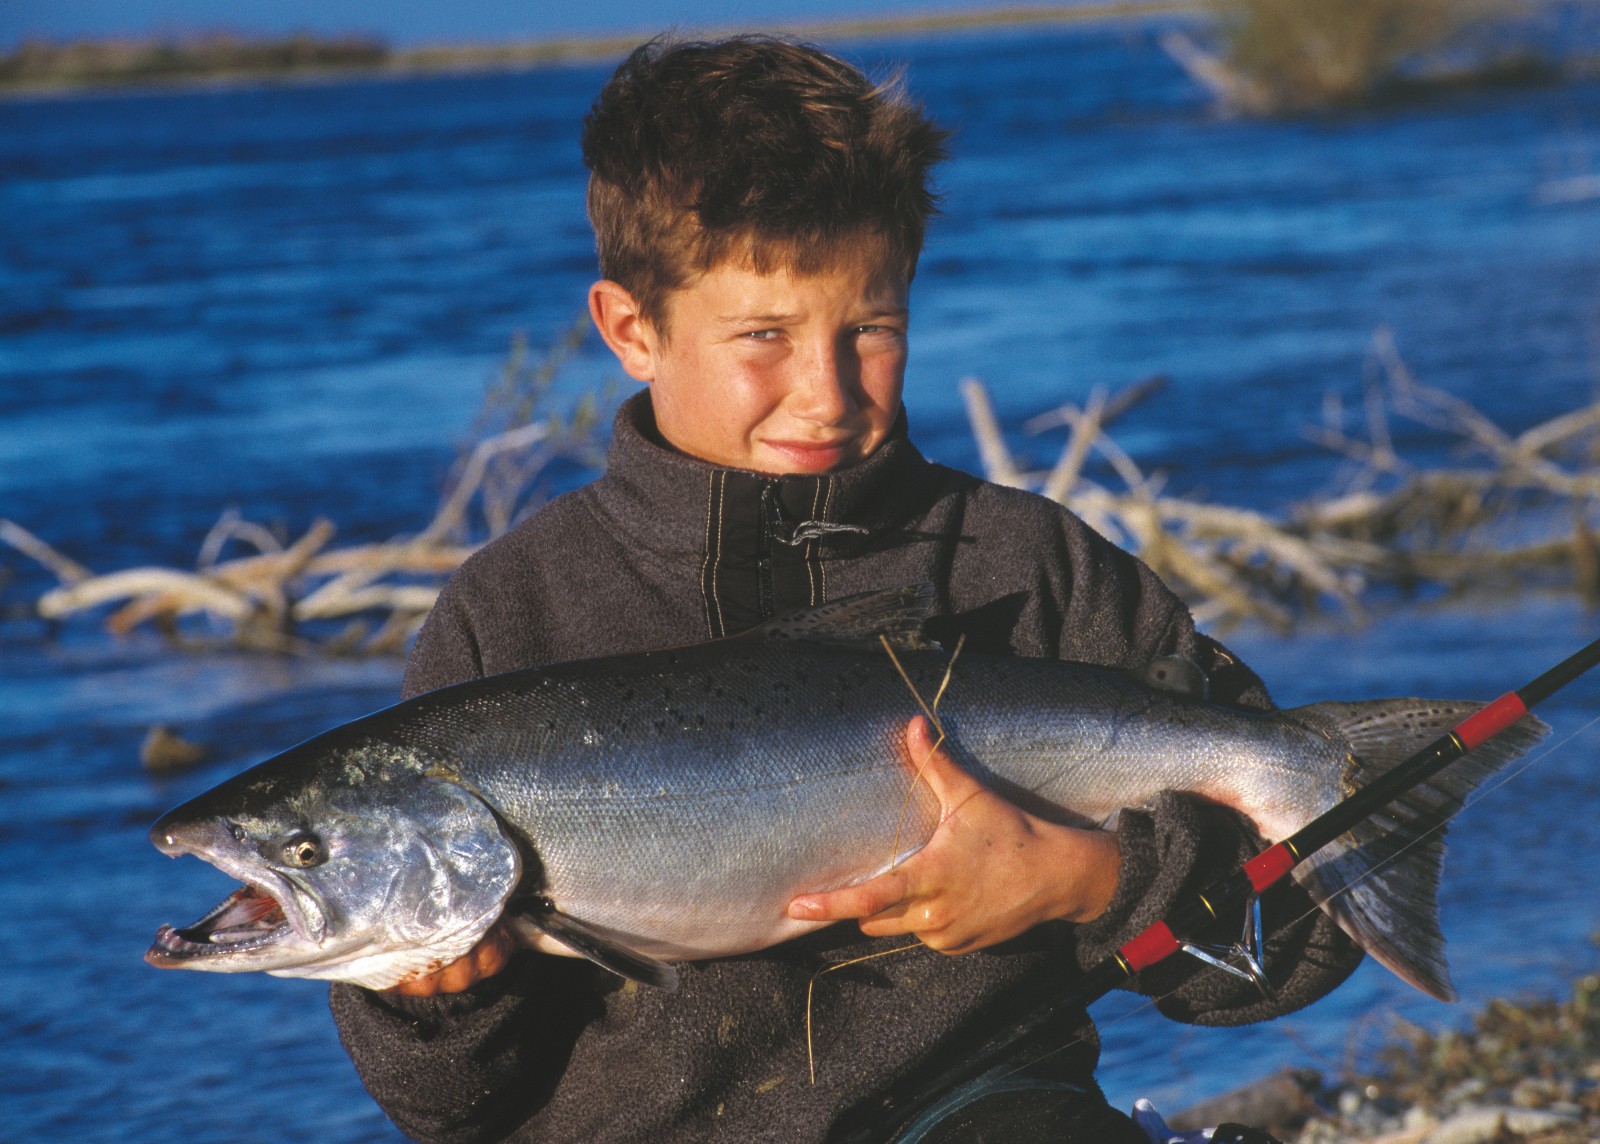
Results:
771 521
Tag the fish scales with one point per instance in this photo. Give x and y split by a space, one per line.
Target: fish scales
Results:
772 772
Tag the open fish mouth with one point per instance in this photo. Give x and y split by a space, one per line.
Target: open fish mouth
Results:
248 919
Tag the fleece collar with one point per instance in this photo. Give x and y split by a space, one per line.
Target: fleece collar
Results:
762 543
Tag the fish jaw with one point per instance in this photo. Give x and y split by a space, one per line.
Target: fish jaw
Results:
406 870
268 922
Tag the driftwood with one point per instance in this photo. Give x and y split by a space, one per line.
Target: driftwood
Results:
311 597
1229 562
264 601
284 597
1517 511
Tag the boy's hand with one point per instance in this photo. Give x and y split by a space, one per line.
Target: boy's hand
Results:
483 960
990 872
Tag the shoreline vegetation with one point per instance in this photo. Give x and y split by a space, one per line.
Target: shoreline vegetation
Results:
1291 57
38 66
1254 57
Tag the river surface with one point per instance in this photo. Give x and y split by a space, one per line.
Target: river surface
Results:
289 301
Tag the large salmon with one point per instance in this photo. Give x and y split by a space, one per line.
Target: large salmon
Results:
642 809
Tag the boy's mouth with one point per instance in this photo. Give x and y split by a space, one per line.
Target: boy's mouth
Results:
816 456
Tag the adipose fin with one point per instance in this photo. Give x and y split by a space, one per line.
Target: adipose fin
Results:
1177 674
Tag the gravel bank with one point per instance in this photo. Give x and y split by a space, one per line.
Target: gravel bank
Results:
1520 1072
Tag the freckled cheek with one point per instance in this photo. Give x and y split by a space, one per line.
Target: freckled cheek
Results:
881 384
714 389
749 394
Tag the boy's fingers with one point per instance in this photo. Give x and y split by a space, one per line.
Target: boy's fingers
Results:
889 899
950 784
490 955
861 901
483 960
459 974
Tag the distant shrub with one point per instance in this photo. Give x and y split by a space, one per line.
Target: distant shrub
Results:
39 63
1294 55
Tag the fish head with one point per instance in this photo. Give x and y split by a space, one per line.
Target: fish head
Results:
361 861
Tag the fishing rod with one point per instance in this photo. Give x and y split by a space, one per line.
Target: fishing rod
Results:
878 1120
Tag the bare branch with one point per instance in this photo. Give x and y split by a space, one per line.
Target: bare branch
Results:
1085 430
450 515
999 465
231 526
65 569
185 591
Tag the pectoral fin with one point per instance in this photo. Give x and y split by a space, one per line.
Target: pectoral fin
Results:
540 916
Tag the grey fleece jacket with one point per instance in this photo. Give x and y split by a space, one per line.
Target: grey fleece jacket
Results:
664 549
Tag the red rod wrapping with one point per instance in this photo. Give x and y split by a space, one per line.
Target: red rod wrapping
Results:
1491 720
1267 867
1155 944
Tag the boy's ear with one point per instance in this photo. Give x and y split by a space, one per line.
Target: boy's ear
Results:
629 334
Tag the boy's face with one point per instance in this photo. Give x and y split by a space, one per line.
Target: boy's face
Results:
776 373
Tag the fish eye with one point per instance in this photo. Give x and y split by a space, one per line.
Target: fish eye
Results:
303 850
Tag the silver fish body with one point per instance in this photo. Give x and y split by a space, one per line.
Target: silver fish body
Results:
663 806
682 798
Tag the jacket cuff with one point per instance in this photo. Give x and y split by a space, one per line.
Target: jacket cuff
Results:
1134 905
442 1007
1173 849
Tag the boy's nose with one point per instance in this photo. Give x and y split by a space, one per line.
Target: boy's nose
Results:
824 388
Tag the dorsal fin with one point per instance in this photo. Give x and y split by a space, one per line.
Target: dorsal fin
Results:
897 614
1177 674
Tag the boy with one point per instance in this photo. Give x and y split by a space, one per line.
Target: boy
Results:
759 210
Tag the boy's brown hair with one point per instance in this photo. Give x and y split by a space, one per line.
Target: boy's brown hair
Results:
755 148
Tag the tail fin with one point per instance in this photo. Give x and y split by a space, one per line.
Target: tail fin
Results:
1380 881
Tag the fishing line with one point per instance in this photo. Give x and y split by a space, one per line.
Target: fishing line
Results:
914 692
949 670
933 717
932 712
1484 789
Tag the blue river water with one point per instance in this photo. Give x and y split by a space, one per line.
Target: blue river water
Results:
290 301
